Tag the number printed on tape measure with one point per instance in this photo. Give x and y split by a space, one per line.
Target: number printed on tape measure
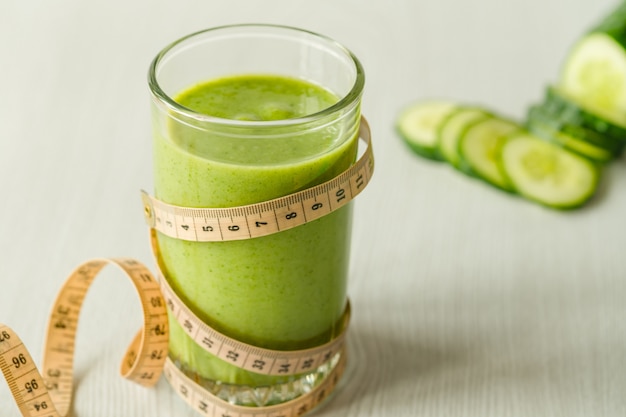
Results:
262 219
49 393
22 376
248 357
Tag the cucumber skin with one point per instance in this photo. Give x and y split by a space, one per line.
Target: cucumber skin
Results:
613 24
427 153
597 171
543 114
570 112
547 126
549 134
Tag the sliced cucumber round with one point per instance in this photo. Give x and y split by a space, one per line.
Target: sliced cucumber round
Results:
547 173
480 145
453 127
593 75
418 124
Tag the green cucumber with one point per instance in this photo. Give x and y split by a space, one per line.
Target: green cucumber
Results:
571 112
571 142
577 139
480 145
613 24
593 73
547 173
418 124
451 130
545 115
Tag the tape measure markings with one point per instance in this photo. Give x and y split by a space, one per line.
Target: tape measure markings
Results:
146 358
261 219
249 357
138 364
50 395
31 397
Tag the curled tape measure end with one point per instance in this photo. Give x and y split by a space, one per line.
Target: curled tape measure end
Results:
139 365
49 394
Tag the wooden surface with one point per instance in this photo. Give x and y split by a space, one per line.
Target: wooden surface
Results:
467 301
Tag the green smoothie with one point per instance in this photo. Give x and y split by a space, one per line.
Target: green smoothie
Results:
284 291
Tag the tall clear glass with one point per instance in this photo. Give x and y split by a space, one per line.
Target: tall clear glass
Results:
284 291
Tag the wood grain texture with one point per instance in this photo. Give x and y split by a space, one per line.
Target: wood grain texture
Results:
466 301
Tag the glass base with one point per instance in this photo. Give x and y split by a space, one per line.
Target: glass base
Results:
261 396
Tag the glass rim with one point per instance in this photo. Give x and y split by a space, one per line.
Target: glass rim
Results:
344 102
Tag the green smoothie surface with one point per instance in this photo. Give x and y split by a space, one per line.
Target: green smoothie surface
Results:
284 291
256 98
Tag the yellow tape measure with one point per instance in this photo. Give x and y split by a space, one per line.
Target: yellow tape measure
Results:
248 357
146 358
49 394
261 219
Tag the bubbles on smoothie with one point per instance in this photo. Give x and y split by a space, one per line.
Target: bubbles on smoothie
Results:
247 117
274 110
312 104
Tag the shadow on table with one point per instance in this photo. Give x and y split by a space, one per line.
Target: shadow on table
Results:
378 361
385 367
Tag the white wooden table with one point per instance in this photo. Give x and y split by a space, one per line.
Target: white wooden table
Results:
467 301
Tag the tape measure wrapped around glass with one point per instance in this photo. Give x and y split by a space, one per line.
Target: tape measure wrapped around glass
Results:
146 357
261 219
245 356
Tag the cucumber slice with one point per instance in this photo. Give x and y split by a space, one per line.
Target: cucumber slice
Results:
574 139
547 173
571 112
453 127
480 145
594 76
419 123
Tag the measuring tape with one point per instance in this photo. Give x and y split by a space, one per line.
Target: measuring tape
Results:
49 394
266 218
248 357
146 358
